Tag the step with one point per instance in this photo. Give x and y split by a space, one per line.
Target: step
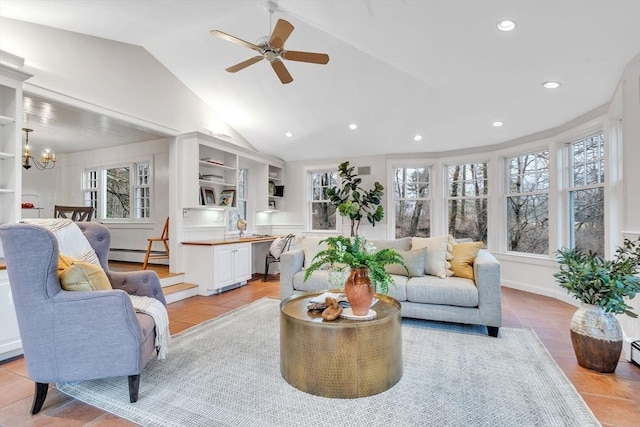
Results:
171 279
179 291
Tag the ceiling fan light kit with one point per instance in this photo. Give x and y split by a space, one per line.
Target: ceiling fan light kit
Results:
273 49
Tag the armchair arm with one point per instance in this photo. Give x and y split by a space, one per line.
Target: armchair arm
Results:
91 331
290 263
144 283
486 270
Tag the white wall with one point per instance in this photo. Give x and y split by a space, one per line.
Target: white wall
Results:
116 76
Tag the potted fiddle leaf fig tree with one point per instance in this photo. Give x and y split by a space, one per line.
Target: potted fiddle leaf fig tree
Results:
353 201
603 287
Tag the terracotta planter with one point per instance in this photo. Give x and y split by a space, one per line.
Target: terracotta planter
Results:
359 291
597 338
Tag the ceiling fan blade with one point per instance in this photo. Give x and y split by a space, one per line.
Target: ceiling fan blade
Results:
244 64
233 39
281 33
315 58
281 71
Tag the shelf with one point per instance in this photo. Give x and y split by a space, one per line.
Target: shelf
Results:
215 166
275 197
205 183
4 120
205 208
6 190
274 178
6 156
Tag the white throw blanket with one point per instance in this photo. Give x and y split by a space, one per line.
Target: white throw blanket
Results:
71 241
158 311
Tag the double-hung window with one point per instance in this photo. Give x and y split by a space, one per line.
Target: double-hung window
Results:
528 203
412 200
120 191
321 213
586 193
467 201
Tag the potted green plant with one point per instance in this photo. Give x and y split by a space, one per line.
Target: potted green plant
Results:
366 265
353 201
602 286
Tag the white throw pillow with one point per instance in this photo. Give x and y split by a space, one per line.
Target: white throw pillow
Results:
276 247
438 254
311 246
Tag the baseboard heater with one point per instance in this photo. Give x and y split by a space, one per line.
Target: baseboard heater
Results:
635 352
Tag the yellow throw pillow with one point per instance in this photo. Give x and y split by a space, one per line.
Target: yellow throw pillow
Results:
77 275
463 256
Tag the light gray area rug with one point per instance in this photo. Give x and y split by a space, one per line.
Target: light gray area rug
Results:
226 372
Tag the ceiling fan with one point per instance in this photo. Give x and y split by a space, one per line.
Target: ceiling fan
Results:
273 49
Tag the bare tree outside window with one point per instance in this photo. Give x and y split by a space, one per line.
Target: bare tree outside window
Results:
118 187
586 194
411 194
467 201
528 203
322 211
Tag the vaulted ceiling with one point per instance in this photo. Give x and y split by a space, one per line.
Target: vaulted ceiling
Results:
436 68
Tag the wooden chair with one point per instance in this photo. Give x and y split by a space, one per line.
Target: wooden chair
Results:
75 213
164 239
271 258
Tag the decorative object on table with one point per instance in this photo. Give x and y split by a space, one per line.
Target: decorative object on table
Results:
272 204
272 188
368 274
333 309
227 197
355 202
347 313
602 286
241 225
208 196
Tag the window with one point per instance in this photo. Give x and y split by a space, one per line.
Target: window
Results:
322 213
586 193
411 195
528 203
90 190
118 191
242 193
467 201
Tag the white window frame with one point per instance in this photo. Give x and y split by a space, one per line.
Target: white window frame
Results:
508 193
90 189
309 199
100 189
571 186
391 199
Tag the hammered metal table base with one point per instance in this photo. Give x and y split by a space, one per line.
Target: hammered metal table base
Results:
342 358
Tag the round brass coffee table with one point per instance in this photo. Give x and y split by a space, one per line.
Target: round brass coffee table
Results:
342 358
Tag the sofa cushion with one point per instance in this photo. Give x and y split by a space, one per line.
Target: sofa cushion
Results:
78 275
414 260
402 244
399 288
318 281
454 291
463 256
437 256
311 246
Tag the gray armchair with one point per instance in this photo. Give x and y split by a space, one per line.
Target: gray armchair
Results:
76 336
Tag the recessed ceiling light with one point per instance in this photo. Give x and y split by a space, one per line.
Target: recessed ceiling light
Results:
497 124
417 138
551 84
506 25
353 126
288 134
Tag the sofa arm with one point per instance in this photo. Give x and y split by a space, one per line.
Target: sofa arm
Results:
290 263
486 270
144 283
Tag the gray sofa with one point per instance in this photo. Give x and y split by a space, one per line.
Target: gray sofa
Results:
450 299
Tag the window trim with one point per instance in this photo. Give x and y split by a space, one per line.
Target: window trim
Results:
307 171
101 190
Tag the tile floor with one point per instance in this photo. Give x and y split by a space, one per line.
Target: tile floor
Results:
614 398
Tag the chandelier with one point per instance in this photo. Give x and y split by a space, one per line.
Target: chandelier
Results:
48 157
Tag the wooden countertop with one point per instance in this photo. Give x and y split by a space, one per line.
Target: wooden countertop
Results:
249 239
